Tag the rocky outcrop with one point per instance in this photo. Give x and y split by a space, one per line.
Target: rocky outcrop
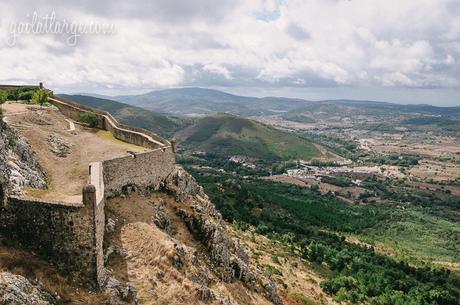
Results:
181 184
58 146
179 257
19 167
271 293
17 290
230 261
162 220
206 294
118 292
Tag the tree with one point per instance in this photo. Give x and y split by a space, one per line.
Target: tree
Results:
3 98
40 97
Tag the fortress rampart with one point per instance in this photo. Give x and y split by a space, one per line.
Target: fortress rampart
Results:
144 170
106 121
71 235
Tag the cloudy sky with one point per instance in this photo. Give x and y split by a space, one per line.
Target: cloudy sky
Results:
395 50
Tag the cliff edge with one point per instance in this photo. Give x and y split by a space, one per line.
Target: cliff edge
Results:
173 247
19 167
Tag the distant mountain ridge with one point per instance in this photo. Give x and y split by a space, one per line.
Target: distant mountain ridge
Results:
203 101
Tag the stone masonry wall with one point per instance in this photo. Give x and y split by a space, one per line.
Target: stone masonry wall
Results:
71 110
61 232
96 179
143 170
106 121
71 235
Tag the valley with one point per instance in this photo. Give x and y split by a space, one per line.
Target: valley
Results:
330 185
263 152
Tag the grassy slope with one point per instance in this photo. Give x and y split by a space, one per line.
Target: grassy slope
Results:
229 135
416 234
130 115
413 233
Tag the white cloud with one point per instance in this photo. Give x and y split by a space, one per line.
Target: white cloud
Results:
219 70
273 43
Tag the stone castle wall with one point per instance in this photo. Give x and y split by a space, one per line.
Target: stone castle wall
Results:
106 121
142 170
71 235
97 201
59 231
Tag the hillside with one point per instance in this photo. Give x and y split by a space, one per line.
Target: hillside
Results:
225 134
202 101
159 238
130 115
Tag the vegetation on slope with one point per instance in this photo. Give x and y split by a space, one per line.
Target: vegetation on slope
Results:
225 134
315 227
130 115
433 123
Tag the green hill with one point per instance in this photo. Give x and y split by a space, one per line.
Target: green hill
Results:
225 134
165 126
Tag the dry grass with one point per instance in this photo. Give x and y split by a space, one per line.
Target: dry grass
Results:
22 262
299 278
148 265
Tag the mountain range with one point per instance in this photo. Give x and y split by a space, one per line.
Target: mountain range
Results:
203 101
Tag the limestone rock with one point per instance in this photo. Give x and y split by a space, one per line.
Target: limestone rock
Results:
230 261
162 220
110 225
19 167
17 290
118 292
179 257
206 294
58 146
181 184
271 294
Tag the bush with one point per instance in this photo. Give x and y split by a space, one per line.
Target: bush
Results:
39 97
304 300
3 99
22 93
262 229
270 270
3 96
12 141
89 118
240 225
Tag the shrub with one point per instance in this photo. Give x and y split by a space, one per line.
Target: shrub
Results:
304 300
262 229
240 225
39 97
89 118
3 99
22 93
12 141
270 270
275 259
3 96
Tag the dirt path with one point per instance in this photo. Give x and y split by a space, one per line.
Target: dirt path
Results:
66 175
71 125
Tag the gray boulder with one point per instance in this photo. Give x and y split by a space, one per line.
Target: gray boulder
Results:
19 167
17 290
